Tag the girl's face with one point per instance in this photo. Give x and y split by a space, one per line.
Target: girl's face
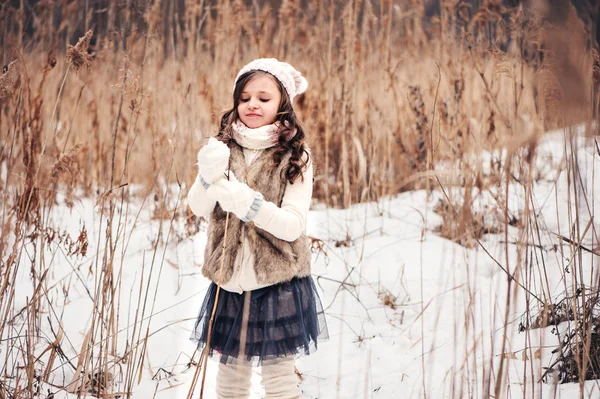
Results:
259 101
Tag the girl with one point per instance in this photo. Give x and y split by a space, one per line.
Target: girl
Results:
259 170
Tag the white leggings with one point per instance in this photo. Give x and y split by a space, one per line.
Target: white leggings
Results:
278 376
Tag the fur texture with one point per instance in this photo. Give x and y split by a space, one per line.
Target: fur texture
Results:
275 260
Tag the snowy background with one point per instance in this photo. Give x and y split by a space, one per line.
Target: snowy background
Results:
409 313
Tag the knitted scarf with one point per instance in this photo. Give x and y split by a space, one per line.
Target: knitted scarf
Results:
258 138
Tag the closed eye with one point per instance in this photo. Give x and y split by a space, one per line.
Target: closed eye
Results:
245 100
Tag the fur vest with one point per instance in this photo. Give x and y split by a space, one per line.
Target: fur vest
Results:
275 260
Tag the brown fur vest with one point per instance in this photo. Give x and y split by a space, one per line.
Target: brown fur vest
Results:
275 260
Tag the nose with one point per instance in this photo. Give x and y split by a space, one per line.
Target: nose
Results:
253 103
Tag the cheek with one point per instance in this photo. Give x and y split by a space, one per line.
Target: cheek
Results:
240 109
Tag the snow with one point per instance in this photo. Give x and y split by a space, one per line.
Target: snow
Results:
416 315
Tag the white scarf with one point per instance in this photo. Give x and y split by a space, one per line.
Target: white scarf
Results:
258 138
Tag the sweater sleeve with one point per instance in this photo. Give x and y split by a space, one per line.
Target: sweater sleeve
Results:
199 201
288 222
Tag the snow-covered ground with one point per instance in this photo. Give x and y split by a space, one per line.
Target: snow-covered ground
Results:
409 313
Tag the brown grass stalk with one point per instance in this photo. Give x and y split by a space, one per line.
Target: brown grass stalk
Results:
205 352
398 99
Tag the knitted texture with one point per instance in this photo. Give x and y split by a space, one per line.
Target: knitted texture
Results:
254 208
292 80
261 137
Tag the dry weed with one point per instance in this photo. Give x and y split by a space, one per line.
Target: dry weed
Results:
9 80
77 55
389 88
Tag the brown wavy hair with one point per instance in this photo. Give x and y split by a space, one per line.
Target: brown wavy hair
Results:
287 119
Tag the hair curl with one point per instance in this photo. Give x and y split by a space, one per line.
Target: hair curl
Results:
288 120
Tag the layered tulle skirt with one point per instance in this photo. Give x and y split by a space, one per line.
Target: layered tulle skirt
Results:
276 321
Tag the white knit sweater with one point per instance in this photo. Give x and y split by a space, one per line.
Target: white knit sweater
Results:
287 222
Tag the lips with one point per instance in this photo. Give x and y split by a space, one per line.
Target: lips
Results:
251 114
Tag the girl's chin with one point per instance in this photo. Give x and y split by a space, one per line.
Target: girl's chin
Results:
253 124
256 122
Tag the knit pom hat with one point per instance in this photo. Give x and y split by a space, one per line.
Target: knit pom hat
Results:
292 80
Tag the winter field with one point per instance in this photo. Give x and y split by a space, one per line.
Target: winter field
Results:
454 222
410 314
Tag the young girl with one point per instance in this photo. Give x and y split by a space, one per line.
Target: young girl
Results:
259 170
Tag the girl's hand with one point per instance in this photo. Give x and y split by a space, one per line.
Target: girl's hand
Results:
213 159
236 197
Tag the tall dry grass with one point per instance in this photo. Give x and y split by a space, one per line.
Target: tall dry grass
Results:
396 100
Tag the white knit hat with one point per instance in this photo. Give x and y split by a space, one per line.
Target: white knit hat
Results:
292 80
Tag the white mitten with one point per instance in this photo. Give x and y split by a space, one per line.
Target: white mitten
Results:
236 197
213 159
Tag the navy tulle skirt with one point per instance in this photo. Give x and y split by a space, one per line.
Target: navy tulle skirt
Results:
282 320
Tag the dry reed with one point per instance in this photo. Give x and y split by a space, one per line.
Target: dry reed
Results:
395 99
